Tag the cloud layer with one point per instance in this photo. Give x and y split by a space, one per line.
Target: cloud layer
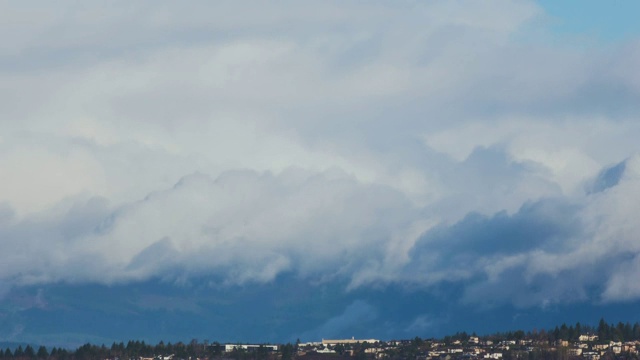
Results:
412 144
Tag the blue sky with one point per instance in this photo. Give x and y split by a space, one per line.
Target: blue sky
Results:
263 172
606 21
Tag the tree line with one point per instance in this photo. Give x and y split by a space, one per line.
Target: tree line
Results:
606 332
137 349
134 349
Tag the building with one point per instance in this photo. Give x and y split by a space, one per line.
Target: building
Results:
348 341
600 347
493 356
574 351
588 337
231 347
591 355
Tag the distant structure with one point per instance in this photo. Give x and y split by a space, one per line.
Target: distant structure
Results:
348 341
231 347
588 337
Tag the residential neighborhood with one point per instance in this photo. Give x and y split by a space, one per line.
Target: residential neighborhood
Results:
604 342
587 346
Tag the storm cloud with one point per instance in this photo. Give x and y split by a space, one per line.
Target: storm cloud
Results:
413 144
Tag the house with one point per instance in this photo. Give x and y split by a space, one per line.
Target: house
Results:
591 355
493 356
587 338
563 343
574 351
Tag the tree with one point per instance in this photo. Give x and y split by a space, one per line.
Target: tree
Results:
42 353
193 349
603 330
287 351
417 342
628 332
160 348
19 352
360 355
518 335
636 332
564 332
29 352
63 354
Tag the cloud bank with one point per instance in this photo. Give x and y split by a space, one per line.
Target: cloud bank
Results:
414 144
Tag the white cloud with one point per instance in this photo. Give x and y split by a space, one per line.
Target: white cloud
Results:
244 226
337 133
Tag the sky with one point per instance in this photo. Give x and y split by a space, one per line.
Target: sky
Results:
267 171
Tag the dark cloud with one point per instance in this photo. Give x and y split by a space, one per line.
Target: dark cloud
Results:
545 225
383 160
357 315
607 178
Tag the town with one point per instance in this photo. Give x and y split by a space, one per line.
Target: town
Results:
606 341
586 346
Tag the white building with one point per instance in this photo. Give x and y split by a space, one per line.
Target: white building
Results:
587 337
493 356
231 347
348 341
574 351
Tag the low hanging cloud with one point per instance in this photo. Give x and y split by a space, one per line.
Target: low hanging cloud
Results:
414 144
355 315
550 251
246 226
243 225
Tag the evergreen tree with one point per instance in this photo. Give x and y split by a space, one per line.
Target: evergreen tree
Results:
628 332
29 352
63 354
603 331
42 353
19 352
160 348
287 351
